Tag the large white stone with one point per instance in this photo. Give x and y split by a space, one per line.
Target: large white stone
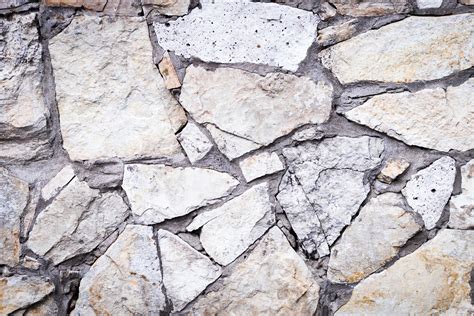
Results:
126 280
273 280
429 190
416 48
158 192
227 231
381 228
461 206
186 272
255 108
434 280
259 165
261 33
194 142
112 100
431 118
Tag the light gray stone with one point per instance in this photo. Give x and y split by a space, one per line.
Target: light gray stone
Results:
159 192
186 272
461 206
194 142
230 145
8 4
227 231
371 7
389 54
308 133
429 4
57 183
429 190
260 165
261 33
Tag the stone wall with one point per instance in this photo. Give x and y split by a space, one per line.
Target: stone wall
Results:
236 158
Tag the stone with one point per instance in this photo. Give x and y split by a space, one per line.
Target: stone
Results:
159 192
46 307
168 72
230 145
428 4
309 133
57 183
432 280
326 11
20 291
392 169
13 199
126 280
82 217
467 2
186 272
383 225
461 206
96 5
9 4
194 142
273 280
123 8
169 7
260 165
23 113
30 263
273 105
227 231
431 118
337 33
261 33
370 7
428 191
331 176
388 54
91 89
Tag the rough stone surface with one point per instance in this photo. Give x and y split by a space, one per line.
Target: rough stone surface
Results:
126 280
96 5
230 229
467 2
186 272
392 169
7 4
337 33
158 192
13 200
273 280
273 105
429 190
56 184
259 165
461 206
194 142
46 307
428 4
82 218
388 54
432 280
381 228
431 118
168 7
370 7
230 145
168 72
205 33
19 291
94 52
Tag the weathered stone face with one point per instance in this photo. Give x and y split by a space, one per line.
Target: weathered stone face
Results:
461 207
370 7
260 165
194 142
21 290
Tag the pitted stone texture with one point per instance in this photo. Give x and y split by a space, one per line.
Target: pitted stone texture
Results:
381 228
20 291
433 280
23 115
370 7
81 217
461 207
331 175
159 192
126 280
429 190
230 229
430 118
103 113
261 33
194 142
392 169
259 165
13 199
57 183
186 272
230 145
272 106
416 48
273 280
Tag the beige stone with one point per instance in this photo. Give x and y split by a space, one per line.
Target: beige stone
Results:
168 7
168 72
45 308
392 169
467 2
96 5
259 165
461 206
337 33
371 7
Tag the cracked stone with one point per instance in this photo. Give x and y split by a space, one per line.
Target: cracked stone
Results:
261 33
82 217
57 183
228 230
159 192
186 272
13 199
260 165
230 145
168 72
168 7
337 33
370 7
381 228
416 48
428 191
20 291
89 59
126 280
194 142
273 280
432 280
392 169
431 118
461 206
273 105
